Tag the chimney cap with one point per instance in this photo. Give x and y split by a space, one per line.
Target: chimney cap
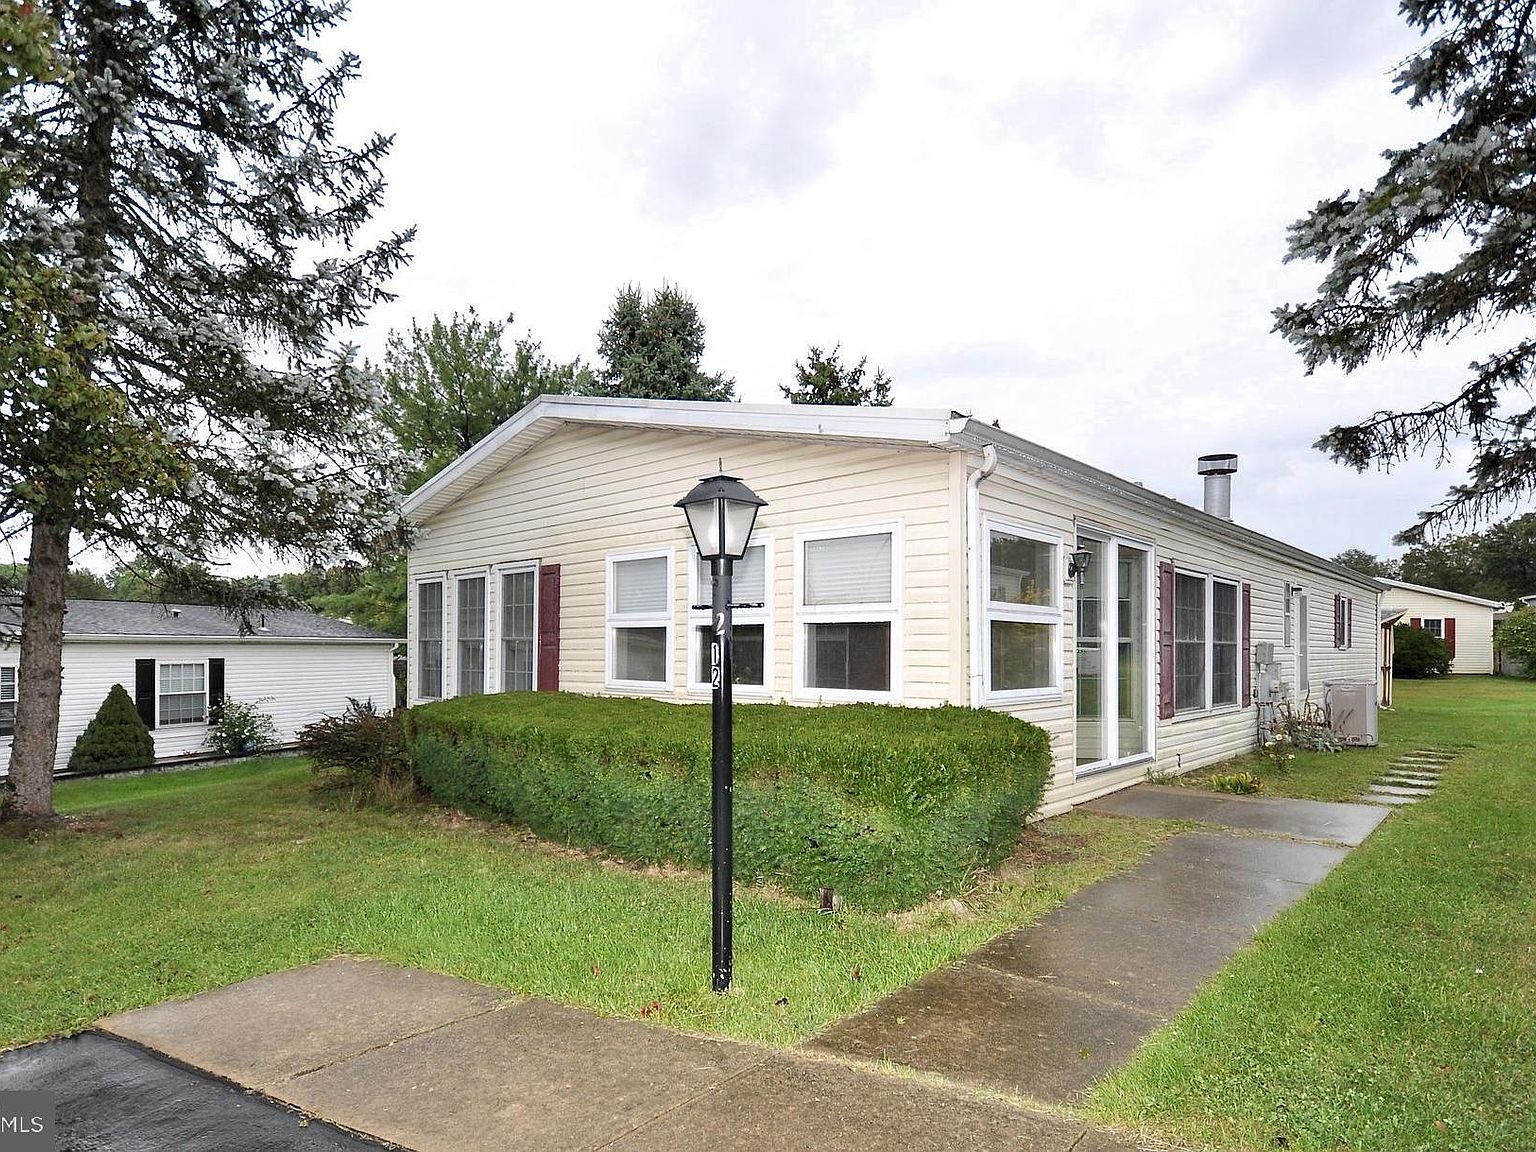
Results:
1217 464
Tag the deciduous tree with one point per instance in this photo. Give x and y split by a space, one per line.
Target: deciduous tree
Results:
1362 561
184 389
449 385
1444 243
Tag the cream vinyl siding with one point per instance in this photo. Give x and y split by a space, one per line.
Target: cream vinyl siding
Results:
1474 625
587 492
1193 740
304 680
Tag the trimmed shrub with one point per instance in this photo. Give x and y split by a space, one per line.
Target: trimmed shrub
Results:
241 728
1517 639
887 805
359 755
115 740
1417 654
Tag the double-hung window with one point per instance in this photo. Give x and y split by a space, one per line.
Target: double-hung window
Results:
751 627
469 636
183 693
1207 643
519 628
1023 612
1434 626
429 640
639 618
847 615
7 700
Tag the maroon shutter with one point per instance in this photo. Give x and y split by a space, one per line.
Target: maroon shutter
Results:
1415 622
1165 641
549 627
1247 645
1450 635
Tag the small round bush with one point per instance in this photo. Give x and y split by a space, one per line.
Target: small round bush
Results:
115 740
1517 639
241 728
1417 654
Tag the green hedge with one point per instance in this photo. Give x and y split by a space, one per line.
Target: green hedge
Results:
887 805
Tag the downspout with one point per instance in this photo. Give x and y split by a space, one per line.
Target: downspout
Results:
976 546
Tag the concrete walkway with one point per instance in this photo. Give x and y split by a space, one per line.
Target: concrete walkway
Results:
1046 1010
429 1062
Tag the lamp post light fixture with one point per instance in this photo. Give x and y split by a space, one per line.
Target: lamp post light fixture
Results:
721 511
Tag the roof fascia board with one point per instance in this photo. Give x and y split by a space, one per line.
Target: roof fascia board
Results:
1425 588
198 638
1085 475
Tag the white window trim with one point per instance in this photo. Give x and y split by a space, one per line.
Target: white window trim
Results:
612 621
1113 542
414 630
160 694
1440 620
1344 622
1211 708
1023 613
451 628
884 613
699 593
493 627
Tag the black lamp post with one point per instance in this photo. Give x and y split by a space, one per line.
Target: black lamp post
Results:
721 511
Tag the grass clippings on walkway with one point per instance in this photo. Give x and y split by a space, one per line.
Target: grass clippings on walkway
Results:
171 884
1395 1007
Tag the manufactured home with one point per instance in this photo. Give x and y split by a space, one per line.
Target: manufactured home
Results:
904 556
1465 623
180 661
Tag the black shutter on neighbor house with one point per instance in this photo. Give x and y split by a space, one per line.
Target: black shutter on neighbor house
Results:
144 691
215 689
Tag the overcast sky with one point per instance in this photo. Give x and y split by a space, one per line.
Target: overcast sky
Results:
1069 218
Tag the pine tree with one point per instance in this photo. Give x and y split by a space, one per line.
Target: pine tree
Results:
115 739
186 195
652 349
1464 204
824 379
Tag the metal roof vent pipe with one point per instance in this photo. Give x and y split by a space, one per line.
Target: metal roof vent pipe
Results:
1217 469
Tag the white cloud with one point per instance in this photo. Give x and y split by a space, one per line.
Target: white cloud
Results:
1070 218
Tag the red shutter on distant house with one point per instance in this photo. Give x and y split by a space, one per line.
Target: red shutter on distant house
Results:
1415 622
1450 635
1165 641
1247 645
549 628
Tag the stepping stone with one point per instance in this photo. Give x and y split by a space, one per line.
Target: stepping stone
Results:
1396 771
1411 778
1373 797
1390 790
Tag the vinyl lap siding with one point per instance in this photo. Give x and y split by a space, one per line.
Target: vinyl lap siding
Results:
1474 625
302 681
587 492
1038 499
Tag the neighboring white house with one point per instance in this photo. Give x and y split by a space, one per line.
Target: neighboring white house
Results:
1465 623
179 661
907 557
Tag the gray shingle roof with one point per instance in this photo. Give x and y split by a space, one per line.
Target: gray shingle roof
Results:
137 618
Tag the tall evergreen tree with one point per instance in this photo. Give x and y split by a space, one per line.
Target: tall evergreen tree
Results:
449 385
1444 242
824 379
185 190
651 348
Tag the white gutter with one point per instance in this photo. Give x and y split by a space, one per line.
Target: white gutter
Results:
976 547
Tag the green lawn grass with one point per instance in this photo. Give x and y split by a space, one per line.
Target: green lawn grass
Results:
174 883
1395 1007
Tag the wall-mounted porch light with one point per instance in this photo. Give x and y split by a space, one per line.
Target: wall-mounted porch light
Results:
1077 563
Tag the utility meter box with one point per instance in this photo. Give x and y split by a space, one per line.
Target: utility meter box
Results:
1264 652
1351 709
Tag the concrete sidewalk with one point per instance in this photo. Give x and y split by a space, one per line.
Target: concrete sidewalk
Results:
1046 1010
429 1062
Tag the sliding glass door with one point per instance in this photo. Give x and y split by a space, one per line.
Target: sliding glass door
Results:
1114 653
